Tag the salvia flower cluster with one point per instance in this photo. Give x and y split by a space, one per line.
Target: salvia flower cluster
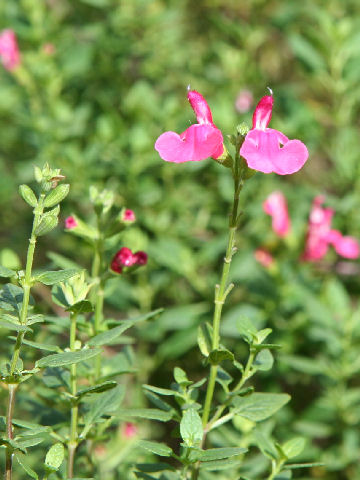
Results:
320 235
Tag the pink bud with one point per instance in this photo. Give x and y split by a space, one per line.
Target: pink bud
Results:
141 258
128 216
264 257
115 267
244 101
9 51
130 430
70 223
125 257
48 49
200 107
262 113
276 206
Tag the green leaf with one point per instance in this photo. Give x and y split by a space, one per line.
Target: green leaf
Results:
107 337
191 429
293 466
294 447
181 377
265 444
246 329
11 297
285 475
102 387
219 453
107 403
6 272
259 406
13 326
67 358
55 457
261 335
46 224
52 277
204 339
220 464
161 391
264 360
56 195
84 306
21 458
219 355
39 346
149 413
28 195
155 447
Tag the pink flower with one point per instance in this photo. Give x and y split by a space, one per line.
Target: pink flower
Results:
268 150
70 222
276 206
319 231
9 51
244 101
128 216
130 430
346 246
200 141
125 258
264 257
49 49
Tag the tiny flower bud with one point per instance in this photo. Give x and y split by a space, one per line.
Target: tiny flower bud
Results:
130 430
125 257
48 49
70 223
244 101
141 258
115 267
264 257
128 216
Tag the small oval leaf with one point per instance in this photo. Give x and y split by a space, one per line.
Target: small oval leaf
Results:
56 195
28 195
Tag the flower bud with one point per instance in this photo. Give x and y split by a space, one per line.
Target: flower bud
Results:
141 258
130 430
70 223
128 216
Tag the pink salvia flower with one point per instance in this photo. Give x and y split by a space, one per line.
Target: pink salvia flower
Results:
347 247
319 233
124 258
200 141
264 257
268 150
9 51
130 430
141 258
276 206
70 223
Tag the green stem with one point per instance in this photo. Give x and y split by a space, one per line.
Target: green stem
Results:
74 408
221 292
9 430
99 306
27 282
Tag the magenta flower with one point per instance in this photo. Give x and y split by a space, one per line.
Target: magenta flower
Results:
125 258
70 222
200 141
130 430
268 150
9 51
276 206
264 257
320 235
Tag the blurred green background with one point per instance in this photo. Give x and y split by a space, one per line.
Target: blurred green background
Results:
93 103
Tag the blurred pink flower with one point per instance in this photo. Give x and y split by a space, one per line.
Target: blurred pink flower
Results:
200 141
244 101
320 235
347 247
130 430
70 222
319 232
49 49
276 206
268 150
264 257
141 258
9 51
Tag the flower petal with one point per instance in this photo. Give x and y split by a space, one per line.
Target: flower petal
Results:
200 107
196 143
262 113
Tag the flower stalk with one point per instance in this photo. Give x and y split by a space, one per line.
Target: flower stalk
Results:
73 437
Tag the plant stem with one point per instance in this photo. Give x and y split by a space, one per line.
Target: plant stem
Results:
9 430
74 407
26 284
221 292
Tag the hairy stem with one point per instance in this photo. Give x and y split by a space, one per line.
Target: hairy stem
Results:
9 430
